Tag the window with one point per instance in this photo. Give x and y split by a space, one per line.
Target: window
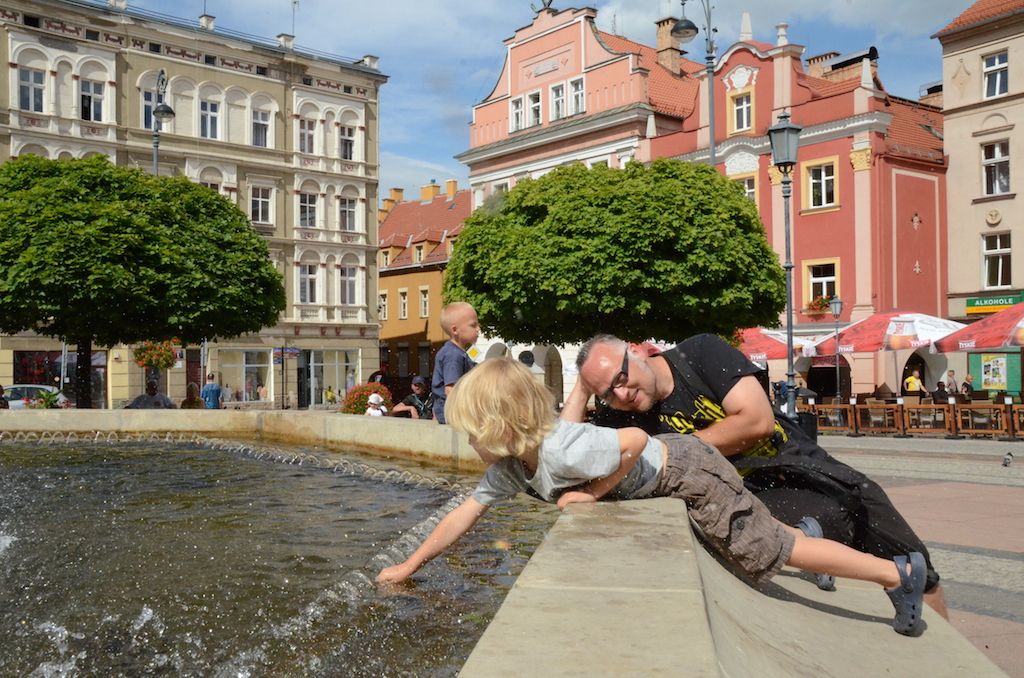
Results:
424 303
997 260
749 185
307 283
31 21
307 210
148 99
260 128
517 114
577 105
996 164
423 354
382 305
823 280
347 214
403 304
210 185
347 149
92 35
385 258
347 293
417 254
534 104
209 115
996 72
155 47
306 129
557 102
210 59
821 182
260 204
246 374
92 100
30 90
741 107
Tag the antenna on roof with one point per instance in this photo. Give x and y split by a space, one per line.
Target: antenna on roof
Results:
295 6
614 22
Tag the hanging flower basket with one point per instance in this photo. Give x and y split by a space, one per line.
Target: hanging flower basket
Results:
818 306
157 355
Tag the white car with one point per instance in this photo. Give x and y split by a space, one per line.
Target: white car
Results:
15 394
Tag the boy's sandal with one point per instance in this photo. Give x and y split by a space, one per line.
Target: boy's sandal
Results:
908 597
812 528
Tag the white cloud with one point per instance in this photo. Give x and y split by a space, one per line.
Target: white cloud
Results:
410 173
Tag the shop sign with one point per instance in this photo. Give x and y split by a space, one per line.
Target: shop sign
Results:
992 304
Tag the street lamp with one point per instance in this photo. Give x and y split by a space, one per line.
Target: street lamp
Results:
785 140
161 112
684 31
836 305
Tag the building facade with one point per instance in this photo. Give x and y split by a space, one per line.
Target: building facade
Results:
289 136
983 96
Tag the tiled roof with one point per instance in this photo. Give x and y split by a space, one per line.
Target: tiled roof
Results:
915 130
669 93
820 87
424 222
980 12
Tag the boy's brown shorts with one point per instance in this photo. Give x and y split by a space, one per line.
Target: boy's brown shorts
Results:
733 520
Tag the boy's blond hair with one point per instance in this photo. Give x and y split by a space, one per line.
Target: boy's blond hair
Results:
502 406
449 312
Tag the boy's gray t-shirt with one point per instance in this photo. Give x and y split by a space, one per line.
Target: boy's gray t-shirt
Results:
572 454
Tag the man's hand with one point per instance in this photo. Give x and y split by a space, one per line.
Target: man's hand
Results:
575 497
395 574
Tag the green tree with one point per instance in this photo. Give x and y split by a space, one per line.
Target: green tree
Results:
662 251
96 253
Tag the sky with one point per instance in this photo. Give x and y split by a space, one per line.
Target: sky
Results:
443 57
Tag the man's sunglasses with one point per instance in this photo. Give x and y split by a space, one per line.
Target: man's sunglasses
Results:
620 378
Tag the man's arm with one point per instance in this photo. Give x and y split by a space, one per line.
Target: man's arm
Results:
575 406
748 419
457 523
632 442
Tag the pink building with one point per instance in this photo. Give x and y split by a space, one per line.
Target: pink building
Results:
868 205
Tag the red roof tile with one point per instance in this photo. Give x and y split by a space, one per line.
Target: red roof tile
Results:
820 87
669 93
980 12
418 222
915 130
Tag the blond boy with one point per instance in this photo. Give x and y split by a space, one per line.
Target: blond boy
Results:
459 322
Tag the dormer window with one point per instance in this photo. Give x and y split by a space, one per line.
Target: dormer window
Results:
417 254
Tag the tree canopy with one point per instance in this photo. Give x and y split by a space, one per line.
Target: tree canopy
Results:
93 252
662 251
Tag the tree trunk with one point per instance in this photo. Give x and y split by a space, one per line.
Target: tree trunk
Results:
83 374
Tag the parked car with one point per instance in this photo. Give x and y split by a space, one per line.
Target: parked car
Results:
15 394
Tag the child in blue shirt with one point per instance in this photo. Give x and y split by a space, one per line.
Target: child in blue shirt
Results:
509 417
460 323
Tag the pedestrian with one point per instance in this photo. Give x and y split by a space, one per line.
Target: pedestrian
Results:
193 401
950 381
212 393
459 322
330 397
4 405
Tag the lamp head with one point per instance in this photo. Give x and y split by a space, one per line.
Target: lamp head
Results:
836 304
684 30
163 112
785 140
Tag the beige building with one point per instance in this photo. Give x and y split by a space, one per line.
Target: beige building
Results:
983 92
290 136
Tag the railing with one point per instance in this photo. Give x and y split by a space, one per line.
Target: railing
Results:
967 419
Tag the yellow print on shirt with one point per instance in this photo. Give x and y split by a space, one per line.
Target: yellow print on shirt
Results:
707 412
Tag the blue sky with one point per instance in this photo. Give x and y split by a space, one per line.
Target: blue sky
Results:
444 56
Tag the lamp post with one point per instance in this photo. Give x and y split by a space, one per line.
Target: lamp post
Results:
684 31
161 112
836 304
785 140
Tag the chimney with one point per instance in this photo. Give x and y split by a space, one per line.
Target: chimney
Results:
746 33
285 40
781 32
430 191
668 49
370 61
931 94
206 21
451 187
118 4
816 64
397 194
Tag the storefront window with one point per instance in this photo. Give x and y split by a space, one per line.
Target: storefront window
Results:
245 374
43 367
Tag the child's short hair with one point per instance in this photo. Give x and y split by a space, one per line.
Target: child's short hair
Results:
449 312
503 406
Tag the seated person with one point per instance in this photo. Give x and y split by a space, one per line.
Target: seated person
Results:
940 396
193 401
151 399
417 404
375 405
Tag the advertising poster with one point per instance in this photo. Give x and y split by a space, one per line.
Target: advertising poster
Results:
993 371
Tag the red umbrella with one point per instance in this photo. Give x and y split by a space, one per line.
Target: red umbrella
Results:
760 345
1005 328
888 332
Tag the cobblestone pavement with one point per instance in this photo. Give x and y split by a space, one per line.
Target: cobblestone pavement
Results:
969 510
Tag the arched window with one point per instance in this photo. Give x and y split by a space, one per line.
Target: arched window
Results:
32 81
348 210
92 89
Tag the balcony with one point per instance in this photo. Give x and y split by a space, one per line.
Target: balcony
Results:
321 313
329 235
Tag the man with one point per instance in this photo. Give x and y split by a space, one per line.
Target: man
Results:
211 393
417 403
4 405
951 385
913 383
968 386
705 387
151 400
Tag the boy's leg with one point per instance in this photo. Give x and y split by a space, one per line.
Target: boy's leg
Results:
732 519
825 555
